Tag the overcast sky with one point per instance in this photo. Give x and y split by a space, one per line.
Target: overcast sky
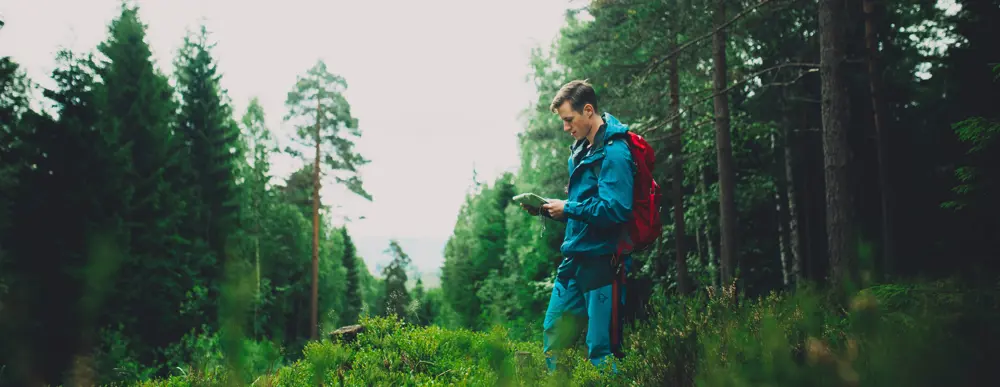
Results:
437 85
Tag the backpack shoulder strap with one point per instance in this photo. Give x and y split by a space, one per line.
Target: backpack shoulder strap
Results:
618 137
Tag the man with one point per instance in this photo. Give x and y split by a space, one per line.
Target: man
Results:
599 203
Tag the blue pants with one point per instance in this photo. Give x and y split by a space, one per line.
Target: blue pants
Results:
570 309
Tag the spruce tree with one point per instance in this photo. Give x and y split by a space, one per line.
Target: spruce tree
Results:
352 297
138 114
209 131
396 298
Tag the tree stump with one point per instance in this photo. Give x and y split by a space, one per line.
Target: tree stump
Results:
347 334
523 359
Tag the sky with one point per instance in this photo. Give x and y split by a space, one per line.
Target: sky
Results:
437 86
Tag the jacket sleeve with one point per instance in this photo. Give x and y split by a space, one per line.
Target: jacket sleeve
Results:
613 202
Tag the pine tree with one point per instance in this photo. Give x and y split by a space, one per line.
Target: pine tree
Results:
352 297
424 312
207 127
13 103
324 123
836 118
211 139
396 297
257 145
86 172
138 114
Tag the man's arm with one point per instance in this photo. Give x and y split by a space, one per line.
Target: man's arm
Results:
542 212
613 203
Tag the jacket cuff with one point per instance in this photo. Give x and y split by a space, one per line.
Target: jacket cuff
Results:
572 209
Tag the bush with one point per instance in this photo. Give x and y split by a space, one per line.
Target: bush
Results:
390 352
897 334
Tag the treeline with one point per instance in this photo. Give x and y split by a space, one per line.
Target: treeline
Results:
142 234
839 143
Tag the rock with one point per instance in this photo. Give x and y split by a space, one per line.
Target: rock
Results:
347 334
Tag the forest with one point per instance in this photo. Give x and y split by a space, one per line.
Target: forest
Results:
827 166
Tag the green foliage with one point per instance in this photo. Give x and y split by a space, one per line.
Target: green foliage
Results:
900 333
323 121
13 104
212 136
896 333
165 239
396 298
352 295
391 352
977 180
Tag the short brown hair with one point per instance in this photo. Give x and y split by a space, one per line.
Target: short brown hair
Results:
578 93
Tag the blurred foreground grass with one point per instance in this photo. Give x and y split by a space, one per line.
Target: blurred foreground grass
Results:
919 334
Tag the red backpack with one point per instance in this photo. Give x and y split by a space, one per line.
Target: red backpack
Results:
641 230
645 225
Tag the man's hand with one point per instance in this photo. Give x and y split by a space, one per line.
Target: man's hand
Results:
555 208
530 210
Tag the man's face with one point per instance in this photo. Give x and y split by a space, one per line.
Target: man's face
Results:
575 123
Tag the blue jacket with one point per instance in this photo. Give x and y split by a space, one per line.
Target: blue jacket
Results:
599 201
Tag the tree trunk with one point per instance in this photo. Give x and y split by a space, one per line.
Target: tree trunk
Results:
677 165
724 150
794 231
256 304
710 243
878 114
256 241
806 233
314 308
698 245
835 113
781 206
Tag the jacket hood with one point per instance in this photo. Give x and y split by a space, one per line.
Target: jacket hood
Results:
612 127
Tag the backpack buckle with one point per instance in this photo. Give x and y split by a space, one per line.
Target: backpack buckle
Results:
616 263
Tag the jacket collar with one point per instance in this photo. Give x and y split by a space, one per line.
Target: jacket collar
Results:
610 127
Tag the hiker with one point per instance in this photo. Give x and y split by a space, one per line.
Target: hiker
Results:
598 206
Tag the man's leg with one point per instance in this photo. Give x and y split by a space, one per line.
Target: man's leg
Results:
624 307
604 327
562 319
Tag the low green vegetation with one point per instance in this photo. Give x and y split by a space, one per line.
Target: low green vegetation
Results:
922 334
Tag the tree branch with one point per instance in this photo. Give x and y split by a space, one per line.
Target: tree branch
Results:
674 135
791 82
803 99
813 68
707 35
